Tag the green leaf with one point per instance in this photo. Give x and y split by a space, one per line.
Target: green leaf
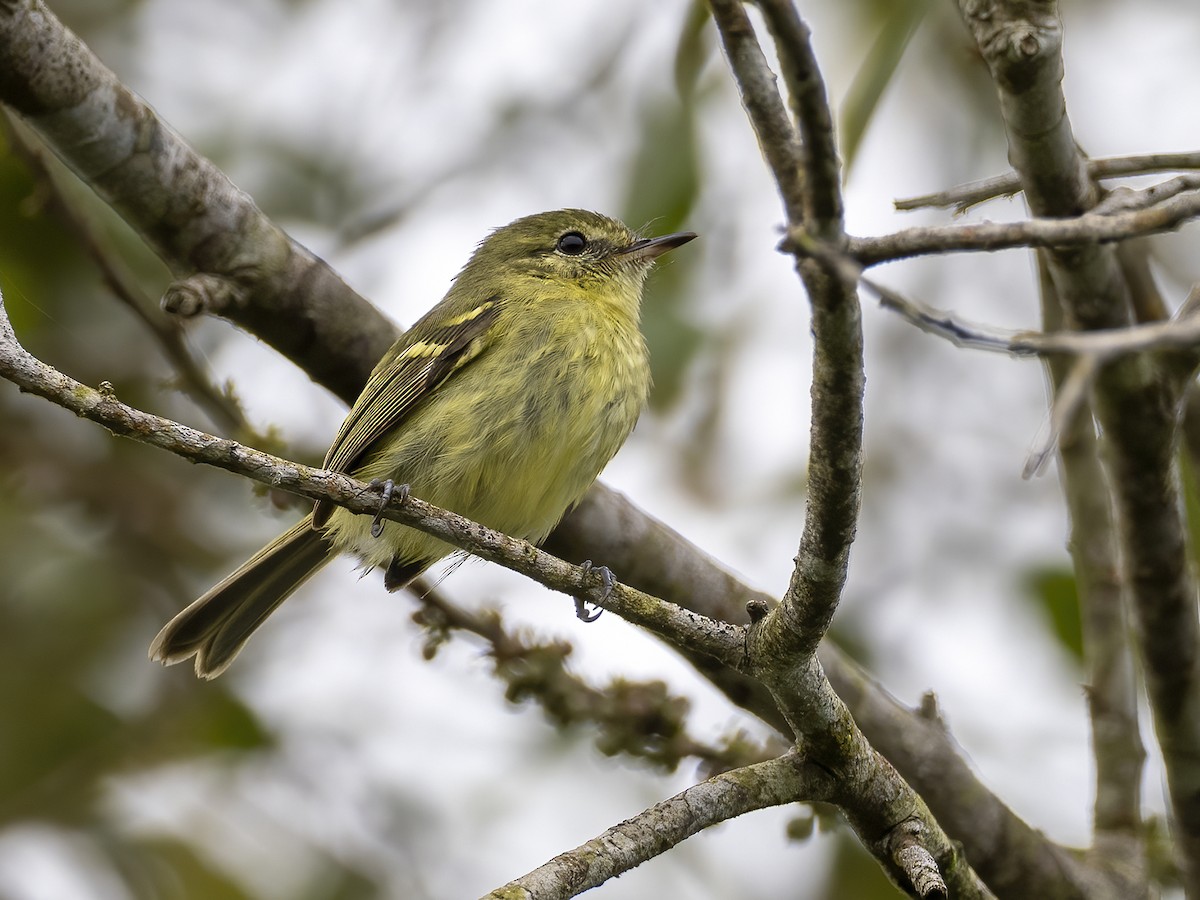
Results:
876 73
1054 593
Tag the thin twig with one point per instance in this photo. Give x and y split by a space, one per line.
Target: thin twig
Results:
1070 400
220 406
640 719
777 139
1181 333
1119 834
666 824
823 208
1089 228
964 196
718 639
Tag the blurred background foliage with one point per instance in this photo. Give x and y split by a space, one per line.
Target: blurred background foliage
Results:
118 779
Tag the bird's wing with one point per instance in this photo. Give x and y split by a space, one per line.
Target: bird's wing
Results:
431 352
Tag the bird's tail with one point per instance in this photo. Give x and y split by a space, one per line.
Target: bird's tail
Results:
215 627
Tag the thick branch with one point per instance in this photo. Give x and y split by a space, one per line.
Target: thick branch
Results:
1136 401
184 207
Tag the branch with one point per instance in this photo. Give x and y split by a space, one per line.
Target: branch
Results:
697 633
1104 345
640 719
1107 647
650 833
233 260
963 197
780 649
777 139
662 826
1100 226
219 405
823 208
790 634
1137 400
998 843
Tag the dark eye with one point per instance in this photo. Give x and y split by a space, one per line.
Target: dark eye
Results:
572 243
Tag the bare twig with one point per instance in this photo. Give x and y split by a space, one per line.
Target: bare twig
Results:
1070 401
666 824
1179 334
1085 229
1094 349
964 196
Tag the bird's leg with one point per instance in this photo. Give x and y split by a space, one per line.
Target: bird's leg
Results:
389 488
606 578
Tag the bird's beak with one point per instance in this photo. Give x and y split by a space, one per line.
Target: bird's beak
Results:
651 248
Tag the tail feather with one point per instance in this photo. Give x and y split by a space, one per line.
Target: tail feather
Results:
216 626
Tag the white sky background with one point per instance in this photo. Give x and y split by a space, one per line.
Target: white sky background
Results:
948 526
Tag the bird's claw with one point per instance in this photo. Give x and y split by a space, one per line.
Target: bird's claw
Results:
606 578
385 498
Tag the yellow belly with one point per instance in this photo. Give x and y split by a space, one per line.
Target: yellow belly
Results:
508 457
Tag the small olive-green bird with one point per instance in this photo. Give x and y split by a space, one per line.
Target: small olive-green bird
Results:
503 403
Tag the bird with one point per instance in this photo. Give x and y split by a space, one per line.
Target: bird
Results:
502 403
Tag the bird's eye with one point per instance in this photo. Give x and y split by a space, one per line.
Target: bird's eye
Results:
572 243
